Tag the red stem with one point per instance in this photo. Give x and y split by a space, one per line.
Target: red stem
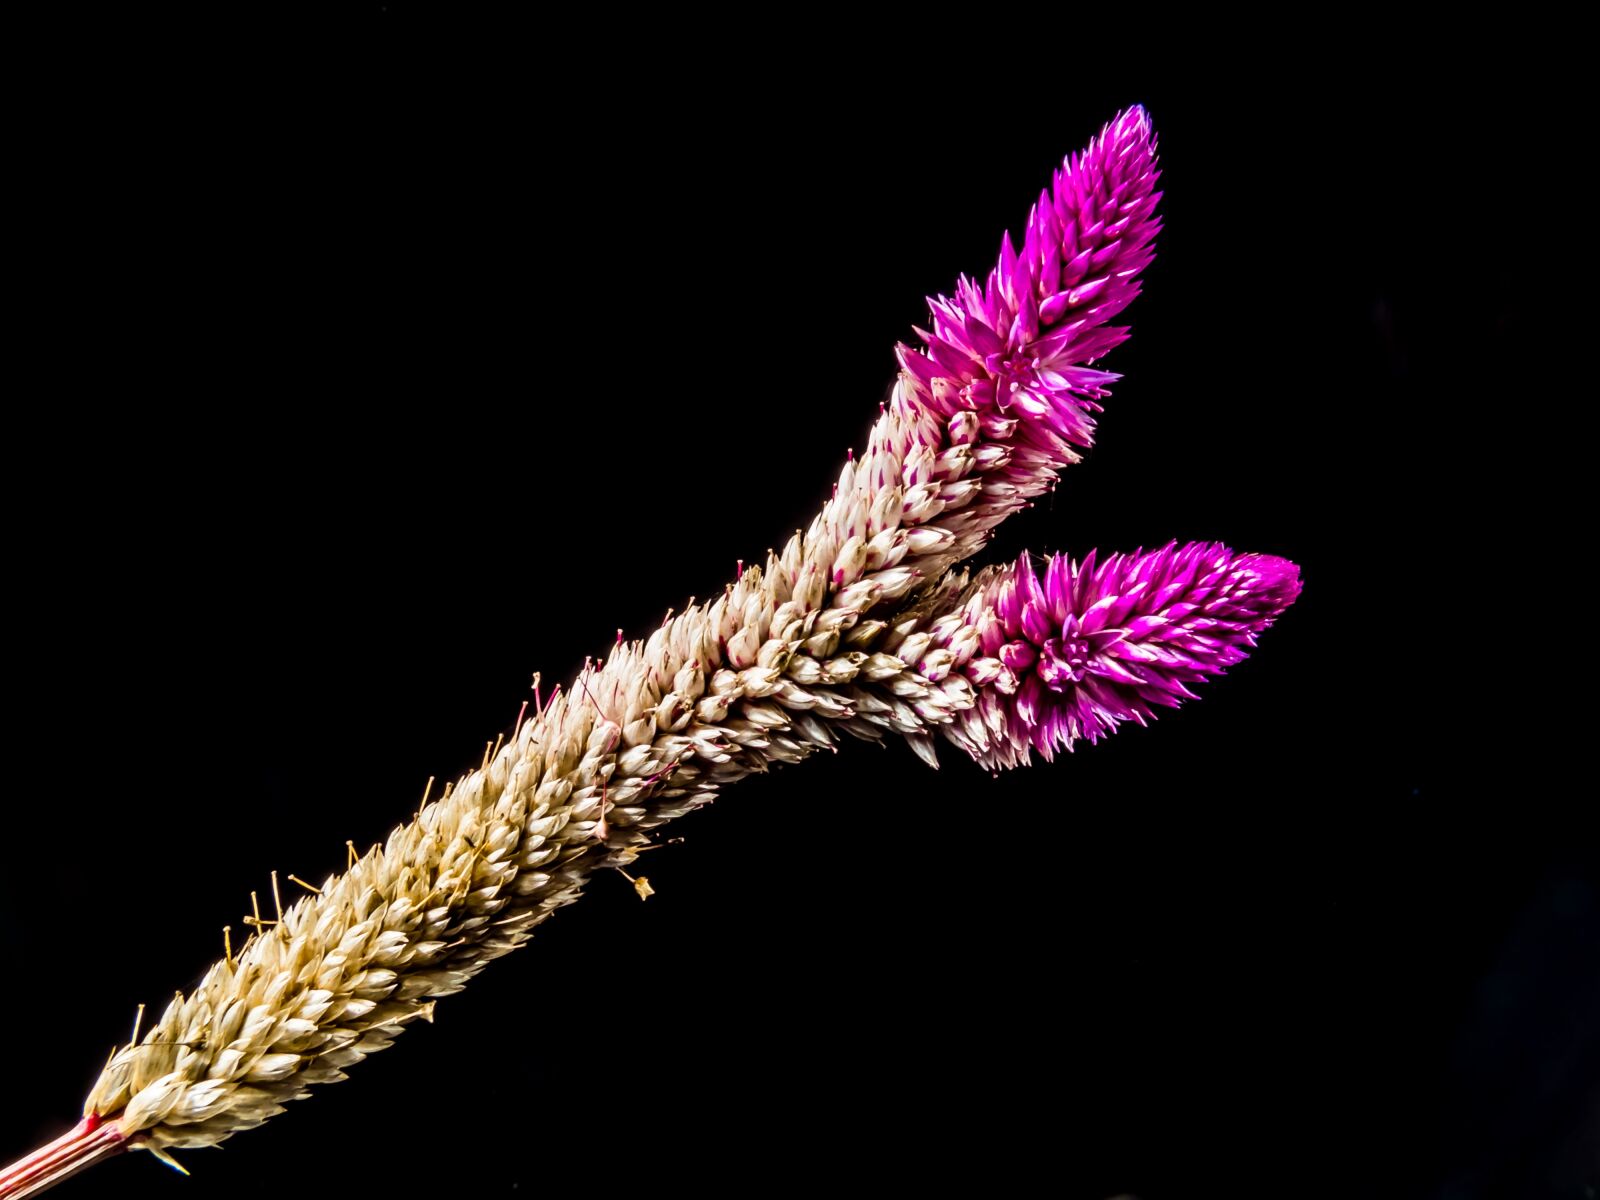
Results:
85 1144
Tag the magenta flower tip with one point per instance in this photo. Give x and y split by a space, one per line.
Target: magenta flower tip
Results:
1071 650
1018 344
1276 577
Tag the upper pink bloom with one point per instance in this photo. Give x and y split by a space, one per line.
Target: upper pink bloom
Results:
1020 342
984 417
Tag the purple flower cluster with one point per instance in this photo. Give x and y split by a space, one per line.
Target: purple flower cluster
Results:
1013 352
1073 652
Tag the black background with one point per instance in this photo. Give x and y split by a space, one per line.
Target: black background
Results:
366 370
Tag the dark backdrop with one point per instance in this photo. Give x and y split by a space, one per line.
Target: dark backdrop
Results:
366 370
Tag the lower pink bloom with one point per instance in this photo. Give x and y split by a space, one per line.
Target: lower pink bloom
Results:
1073 651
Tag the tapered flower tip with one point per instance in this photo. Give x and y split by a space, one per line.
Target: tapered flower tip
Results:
1136 121
1275 582
1072 650
1020 341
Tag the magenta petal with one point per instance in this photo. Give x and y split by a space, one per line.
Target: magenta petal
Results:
1019 656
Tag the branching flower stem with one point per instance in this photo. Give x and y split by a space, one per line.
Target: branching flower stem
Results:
861 624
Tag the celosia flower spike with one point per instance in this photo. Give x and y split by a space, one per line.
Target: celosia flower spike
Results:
1090 645
981 422
857 626
1022 341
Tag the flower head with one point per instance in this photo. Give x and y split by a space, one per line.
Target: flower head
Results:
982 419
1074 652
1021 340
